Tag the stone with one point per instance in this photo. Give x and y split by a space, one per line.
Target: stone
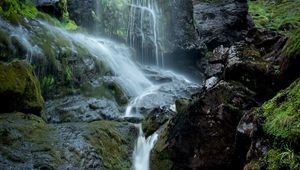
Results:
195 138
27 142
20 89
79 108
155 119
220 22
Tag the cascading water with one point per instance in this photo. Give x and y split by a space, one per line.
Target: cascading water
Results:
141 153
129 76
117 56
143 31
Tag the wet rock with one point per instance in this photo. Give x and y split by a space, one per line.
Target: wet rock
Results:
155 119
209 83
79 108
20 89
220 22
196 137
27 142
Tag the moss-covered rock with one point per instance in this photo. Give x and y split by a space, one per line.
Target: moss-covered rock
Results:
20 89
282 114
280 15
27 142
160 157
274 131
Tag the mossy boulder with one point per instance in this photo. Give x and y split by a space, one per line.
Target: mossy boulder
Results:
20 89
273 131
282 114
27 142
160 157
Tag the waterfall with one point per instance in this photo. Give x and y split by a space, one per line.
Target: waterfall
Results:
116 56
143 31
142 150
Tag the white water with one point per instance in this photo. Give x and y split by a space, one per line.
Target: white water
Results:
129 76
143 19
142 150
22 36
116 56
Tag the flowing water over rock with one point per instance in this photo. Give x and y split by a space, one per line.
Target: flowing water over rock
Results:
143 31
117 56
148 88
141 153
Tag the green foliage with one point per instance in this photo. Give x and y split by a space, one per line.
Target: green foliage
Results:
68 74
281 15
13 10
47 84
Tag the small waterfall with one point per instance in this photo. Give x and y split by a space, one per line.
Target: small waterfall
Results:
116 56
143 31
142 150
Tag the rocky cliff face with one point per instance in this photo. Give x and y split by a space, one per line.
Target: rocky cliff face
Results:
220 22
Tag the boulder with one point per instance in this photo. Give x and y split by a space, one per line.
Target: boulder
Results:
195 138
27 142
155 119
20 89
267 136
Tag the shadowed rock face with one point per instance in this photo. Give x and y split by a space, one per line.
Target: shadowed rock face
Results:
220 21
205 128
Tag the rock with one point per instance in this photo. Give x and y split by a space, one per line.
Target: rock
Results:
155 119
20 89
100 17
195 138
27 142
209 83
220 22
81 109
263 133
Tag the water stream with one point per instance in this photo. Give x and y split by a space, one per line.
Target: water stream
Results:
141 153
131 78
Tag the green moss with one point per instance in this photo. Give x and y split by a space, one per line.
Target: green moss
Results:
251 54
12 9
283 114
292 49
71 25
118 93
20 88
27 133
93 91
253 165
160 159
281 15
112 144
282 159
